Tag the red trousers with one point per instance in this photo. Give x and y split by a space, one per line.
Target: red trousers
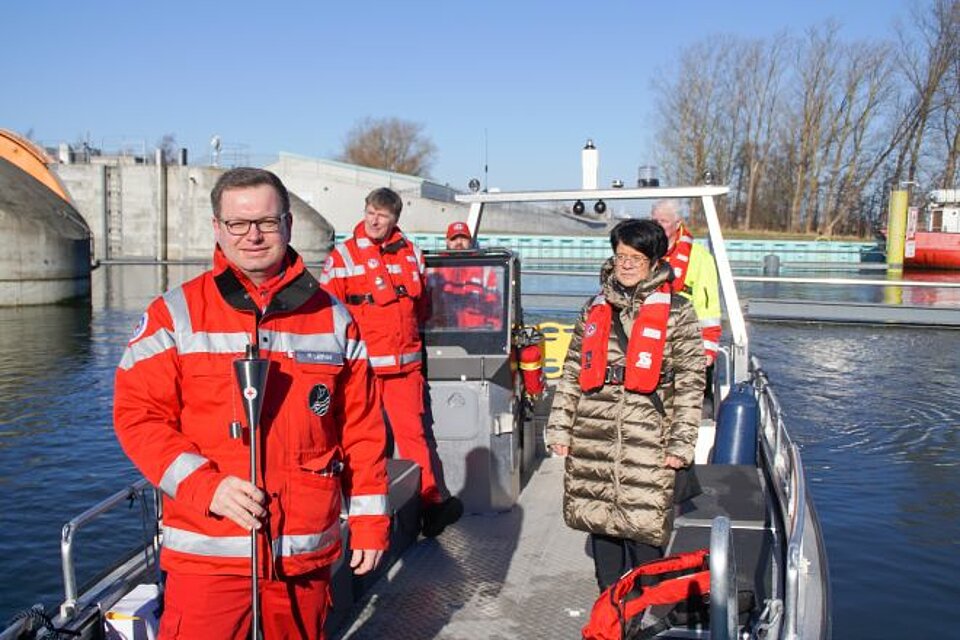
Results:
201 607
402 396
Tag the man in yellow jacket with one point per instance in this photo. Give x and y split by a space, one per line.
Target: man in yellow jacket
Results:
695 274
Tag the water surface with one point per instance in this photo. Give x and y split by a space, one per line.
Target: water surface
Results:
875 411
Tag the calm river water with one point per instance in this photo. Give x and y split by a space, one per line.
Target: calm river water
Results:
875 410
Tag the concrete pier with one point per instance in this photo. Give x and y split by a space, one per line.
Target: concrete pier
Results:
46 256
163 212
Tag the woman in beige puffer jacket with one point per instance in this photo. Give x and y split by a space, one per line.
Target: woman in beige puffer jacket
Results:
623 447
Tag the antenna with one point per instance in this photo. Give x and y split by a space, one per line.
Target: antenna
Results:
215 144
486 166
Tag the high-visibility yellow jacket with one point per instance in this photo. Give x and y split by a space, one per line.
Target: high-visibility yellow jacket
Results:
699 285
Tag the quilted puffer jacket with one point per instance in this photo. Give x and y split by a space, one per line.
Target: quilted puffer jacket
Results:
616 482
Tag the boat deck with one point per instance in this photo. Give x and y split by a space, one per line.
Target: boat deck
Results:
518 574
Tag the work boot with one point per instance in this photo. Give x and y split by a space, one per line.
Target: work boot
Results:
437 517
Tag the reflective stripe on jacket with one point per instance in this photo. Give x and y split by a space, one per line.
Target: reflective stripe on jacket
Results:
384 292
321 429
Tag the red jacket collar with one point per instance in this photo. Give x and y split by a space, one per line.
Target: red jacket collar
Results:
360 232
292 268
678 234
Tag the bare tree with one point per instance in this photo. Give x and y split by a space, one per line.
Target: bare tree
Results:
817 76
759 75
810 132
855 149
926 60
949 125
391 144
696 132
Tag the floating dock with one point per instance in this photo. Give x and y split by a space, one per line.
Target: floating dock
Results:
769 310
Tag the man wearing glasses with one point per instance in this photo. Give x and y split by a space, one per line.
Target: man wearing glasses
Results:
177 412
379 273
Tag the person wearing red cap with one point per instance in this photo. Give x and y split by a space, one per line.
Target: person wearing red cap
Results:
458 236
470 291
379 273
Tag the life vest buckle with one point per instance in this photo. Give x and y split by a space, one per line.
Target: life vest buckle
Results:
614 374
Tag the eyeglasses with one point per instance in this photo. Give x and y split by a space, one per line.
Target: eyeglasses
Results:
242 227
631 261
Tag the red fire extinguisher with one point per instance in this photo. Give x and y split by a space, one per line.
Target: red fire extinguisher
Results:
530 356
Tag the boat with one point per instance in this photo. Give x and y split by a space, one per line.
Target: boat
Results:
49 257
510 568
933 238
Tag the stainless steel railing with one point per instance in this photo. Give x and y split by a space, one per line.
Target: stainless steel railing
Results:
790 490
136 491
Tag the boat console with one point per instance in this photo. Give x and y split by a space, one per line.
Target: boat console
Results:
484 438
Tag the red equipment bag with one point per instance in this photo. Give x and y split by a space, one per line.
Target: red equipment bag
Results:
626 598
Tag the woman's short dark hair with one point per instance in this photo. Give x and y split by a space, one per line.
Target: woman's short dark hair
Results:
242 177
646 236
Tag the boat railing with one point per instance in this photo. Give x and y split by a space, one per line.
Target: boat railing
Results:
789 485
135 492
723 581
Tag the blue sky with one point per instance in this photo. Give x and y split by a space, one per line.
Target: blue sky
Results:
523 82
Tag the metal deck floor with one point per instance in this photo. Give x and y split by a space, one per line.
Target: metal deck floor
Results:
518 574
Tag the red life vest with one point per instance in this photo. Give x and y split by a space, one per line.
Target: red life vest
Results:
383 275
471 294
679 257
644 356
382 285
612 611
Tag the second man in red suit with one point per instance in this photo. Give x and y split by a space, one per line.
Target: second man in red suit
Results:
379 273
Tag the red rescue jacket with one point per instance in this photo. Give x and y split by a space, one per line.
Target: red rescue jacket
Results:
176 395
382 285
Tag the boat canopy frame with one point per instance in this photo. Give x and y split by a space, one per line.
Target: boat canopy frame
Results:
740 352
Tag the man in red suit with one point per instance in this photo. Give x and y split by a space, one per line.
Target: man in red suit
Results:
379 273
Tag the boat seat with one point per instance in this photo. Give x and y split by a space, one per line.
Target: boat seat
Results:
737 492
731 490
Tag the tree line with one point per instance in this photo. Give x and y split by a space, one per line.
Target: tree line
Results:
812 132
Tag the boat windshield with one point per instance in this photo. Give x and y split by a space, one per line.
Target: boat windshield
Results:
468 305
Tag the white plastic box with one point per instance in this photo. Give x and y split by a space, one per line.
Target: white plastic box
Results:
136 616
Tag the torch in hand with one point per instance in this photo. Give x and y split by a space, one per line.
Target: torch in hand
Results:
251 373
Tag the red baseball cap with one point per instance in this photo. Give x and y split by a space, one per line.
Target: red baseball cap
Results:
458 229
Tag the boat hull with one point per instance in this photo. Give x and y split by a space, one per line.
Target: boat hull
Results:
48 259
935 250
